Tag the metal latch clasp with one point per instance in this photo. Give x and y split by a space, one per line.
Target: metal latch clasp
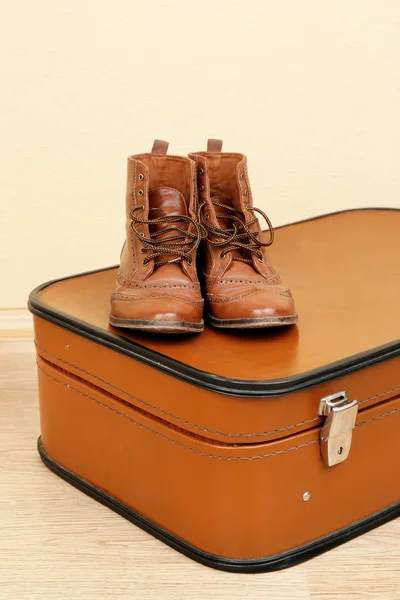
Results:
336 433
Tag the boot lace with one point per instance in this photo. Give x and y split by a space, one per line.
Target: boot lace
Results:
238 236
181 242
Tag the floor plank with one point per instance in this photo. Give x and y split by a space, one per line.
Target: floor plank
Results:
56 543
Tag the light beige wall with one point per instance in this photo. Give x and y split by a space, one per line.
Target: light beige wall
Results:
310 90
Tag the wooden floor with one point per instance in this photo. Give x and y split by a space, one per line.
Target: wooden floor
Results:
56 543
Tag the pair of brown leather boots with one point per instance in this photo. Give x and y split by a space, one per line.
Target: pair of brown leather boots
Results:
184 214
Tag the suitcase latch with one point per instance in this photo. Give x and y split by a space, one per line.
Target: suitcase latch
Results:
336 433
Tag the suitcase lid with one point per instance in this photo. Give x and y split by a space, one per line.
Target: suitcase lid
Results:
256 386
344 271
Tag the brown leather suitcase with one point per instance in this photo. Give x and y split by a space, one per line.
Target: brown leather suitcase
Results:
247 451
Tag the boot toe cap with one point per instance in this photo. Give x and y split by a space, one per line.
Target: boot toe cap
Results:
158 309
274 304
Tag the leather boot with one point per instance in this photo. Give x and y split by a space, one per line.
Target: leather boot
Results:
157 286
243 289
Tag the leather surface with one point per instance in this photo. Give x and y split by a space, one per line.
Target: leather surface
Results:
233 501
333 327
348 294
167 202
205 413
159 147
236 289
228 474
157 186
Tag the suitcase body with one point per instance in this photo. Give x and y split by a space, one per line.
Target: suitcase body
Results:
247 451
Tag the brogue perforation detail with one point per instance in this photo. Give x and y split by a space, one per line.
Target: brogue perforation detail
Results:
124 297
224 299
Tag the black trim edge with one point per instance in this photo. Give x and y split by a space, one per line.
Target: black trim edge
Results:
257 565
203 379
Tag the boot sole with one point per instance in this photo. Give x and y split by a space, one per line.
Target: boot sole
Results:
157 326
253 323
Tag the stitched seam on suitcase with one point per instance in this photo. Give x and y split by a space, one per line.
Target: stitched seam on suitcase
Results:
168 414
216 456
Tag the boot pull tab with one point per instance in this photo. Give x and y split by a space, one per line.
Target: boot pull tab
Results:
214 145
159 147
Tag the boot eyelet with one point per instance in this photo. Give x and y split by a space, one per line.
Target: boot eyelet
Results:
141 176
140 192
242 176
261 259
189 261
222 256
144 263
246 192
207 217
201 188
201 171
142 250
